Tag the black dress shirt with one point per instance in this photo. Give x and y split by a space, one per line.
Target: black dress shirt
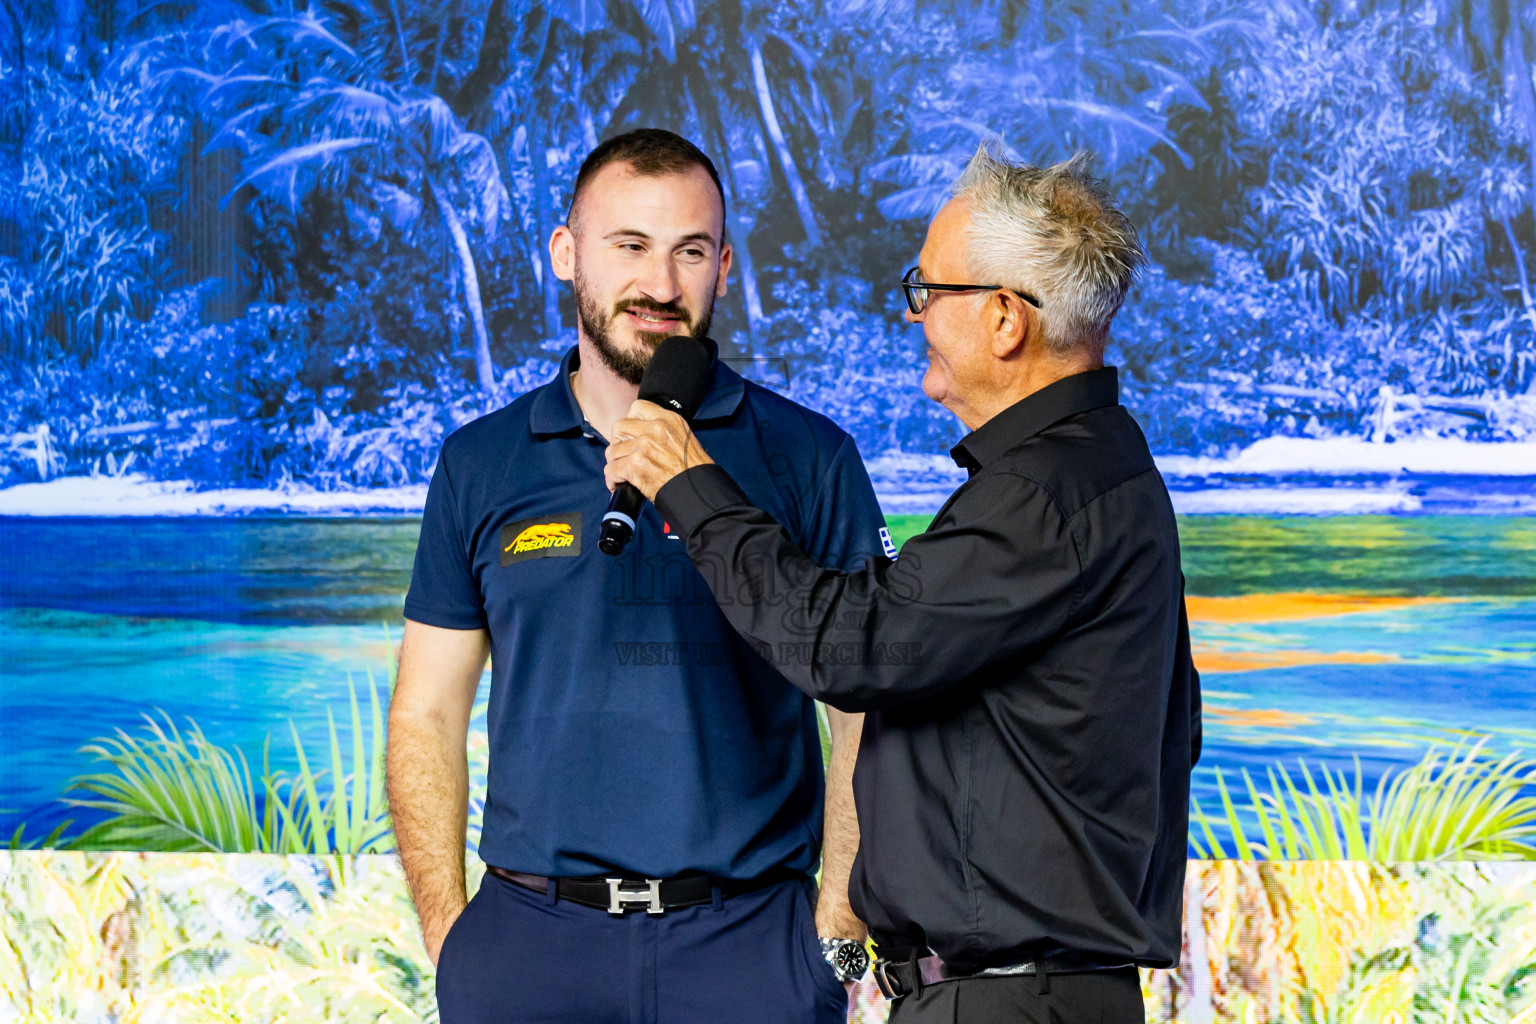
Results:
1022 782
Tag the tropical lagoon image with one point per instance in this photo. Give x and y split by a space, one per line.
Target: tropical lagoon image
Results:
1345 642
258 258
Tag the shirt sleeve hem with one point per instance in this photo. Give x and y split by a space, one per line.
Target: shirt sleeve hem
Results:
689 499
442 620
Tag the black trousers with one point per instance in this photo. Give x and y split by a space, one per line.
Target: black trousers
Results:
1093 997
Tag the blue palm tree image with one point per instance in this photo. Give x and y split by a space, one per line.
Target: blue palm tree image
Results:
258 245
259 257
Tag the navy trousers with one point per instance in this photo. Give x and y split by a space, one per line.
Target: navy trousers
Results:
517 957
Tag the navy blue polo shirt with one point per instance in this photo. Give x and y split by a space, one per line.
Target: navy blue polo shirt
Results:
631 727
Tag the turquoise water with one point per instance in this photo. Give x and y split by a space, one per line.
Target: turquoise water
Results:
1464 555
66 677
240 624
245 624
1448 673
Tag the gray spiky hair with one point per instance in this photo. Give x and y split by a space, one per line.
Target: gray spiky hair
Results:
1055 233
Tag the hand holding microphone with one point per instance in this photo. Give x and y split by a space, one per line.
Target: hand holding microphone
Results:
654 444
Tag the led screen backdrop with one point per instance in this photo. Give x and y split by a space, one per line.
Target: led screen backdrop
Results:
258 259
254 938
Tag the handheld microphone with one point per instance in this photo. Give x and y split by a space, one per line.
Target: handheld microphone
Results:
676 378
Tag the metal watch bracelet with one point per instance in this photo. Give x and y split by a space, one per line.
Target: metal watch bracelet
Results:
848 957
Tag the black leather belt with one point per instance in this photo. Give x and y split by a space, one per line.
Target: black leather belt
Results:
902 979
617 894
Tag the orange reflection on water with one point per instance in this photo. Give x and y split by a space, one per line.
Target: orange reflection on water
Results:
1212 660
1282 607
1296 605
1272 718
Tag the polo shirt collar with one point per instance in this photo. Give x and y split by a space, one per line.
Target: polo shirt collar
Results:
1025 418
556 411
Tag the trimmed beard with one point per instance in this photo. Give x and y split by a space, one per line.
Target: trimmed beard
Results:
630 366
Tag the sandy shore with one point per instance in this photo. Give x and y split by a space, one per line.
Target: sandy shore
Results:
1276 476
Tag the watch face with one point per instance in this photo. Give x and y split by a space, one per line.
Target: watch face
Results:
851 961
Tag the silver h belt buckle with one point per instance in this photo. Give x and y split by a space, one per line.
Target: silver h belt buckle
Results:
649 897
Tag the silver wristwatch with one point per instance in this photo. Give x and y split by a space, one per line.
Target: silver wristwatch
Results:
849 959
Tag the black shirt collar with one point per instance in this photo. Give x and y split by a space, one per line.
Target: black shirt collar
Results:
1025 418
556 411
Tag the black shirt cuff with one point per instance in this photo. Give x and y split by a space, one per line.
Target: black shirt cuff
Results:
689 499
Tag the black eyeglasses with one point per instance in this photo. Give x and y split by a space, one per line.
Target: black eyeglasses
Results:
917 290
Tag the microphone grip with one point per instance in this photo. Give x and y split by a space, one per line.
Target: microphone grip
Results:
619 521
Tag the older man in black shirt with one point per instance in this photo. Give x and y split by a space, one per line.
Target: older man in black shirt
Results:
1023 778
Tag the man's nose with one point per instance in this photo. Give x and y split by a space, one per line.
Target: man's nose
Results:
660 280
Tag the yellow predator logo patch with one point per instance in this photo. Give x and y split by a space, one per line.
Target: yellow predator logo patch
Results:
541 537
536 538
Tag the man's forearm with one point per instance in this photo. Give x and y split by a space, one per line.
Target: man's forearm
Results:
840 840
428 801
893 632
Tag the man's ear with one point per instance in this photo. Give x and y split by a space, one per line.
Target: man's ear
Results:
721 285
562 252
1009 316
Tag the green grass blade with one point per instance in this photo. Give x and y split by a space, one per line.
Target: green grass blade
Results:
1211 849
1234 822
1271 845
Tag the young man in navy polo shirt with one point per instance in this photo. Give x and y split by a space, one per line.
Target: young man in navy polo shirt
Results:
655 805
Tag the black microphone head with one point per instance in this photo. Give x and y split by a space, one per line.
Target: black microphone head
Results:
677 375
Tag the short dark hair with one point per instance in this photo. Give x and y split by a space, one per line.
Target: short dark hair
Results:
652 152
